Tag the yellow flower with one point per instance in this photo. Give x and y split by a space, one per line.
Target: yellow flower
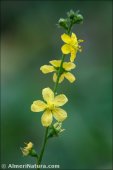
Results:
26 150
50 107
55 64
71 46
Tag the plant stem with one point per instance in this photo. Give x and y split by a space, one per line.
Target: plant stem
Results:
39 159
69 29
43 148
59 73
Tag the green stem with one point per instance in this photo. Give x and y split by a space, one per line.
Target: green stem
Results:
43 148
59 73
37 162
39 159
69 29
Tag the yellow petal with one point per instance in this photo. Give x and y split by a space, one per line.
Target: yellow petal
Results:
38 106
59 114
66 49
48 94
68 66
66 38
60 100
47 69
60 79
73 54
29 146
54 77
47 118
73 38
25 151
55 63
69 76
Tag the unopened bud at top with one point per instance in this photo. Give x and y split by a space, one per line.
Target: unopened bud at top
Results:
78 19
71 14
63 23
75 17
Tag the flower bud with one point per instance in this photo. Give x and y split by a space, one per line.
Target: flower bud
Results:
63 23
71 14
75 17
78 19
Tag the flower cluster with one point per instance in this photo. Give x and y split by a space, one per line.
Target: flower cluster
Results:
51 104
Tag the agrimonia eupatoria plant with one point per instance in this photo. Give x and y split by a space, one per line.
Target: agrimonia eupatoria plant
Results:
52 102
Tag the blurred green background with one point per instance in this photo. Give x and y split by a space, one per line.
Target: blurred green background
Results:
29 39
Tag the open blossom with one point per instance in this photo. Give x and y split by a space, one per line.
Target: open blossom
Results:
71 46
65 71
51 107
26 150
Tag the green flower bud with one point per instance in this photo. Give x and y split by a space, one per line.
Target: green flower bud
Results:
71 14
75 17
78 19
63 23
